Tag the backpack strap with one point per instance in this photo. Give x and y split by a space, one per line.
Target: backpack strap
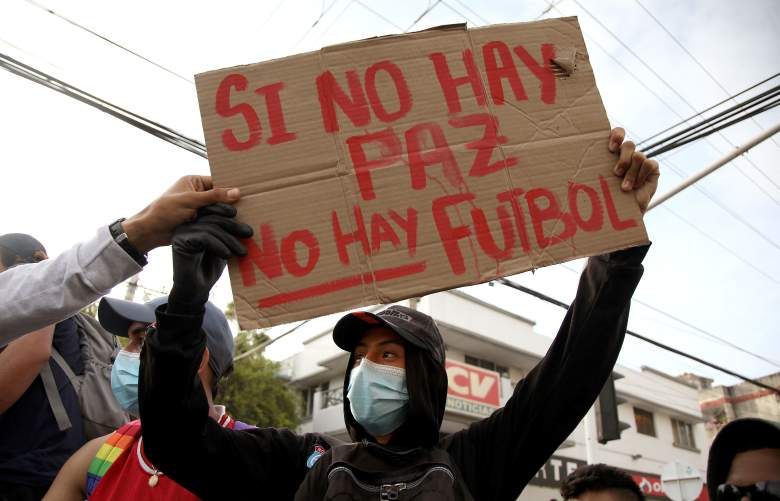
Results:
53 395
117 443
63 364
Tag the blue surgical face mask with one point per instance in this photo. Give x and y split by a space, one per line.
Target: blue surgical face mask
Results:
124 380
378 397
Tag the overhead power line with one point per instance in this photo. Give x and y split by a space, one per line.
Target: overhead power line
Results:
646 339
722 206
424 13
757 104
106 39
694 58
264 345
695 330
323 13
476 14
145 124
663 101
457 12
198 148
379 15
686 120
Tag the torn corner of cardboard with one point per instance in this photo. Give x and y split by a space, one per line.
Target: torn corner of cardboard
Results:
566 60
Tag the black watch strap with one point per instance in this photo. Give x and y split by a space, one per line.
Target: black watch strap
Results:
120 237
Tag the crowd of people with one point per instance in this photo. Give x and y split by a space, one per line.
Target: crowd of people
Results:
83 416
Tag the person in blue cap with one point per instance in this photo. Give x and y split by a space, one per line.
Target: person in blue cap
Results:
116 467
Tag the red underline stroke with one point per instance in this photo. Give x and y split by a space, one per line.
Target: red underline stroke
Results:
343 283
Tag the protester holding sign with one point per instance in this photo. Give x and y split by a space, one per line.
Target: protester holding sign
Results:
395 389
36 295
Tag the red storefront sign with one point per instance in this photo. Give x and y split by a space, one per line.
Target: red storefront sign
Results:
651 486
472 390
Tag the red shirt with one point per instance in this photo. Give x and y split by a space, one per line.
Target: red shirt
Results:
128 475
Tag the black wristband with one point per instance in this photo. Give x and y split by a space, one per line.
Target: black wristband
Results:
120 237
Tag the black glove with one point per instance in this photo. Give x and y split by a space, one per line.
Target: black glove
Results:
200 250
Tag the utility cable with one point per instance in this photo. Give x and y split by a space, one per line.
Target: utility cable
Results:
145 124
424 13
106 39
379 15
695 135
453 9
696 331
198 148
686 120
723 206
694 58
265 344
565 306
335 19
717 123
672 109
323 13
476 14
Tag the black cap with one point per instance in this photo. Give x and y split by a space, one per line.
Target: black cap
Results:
116 315
740 435
20 248
414 327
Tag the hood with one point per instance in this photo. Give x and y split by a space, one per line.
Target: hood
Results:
740 435
426 378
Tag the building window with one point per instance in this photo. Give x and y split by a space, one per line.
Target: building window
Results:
644 422
487 364
683 434
307 395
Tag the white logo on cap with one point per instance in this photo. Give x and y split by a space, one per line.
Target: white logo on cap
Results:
396 313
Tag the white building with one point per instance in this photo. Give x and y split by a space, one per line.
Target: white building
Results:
488 351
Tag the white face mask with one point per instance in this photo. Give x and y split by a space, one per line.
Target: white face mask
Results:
378 397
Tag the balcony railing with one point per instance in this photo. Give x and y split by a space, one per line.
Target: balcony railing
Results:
332 397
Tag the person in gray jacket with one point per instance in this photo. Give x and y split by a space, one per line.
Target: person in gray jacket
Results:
35 295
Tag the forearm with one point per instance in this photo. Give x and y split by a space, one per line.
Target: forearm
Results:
170 393
547 405
558 392
20 364
35 295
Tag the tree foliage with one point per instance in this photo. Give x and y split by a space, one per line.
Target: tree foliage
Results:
254 393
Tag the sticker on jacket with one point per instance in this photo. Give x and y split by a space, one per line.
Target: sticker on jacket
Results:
318 451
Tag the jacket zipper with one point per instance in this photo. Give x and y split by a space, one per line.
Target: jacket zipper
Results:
367 487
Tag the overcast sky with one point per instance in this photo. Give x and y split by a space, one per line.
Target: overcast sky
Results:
68 169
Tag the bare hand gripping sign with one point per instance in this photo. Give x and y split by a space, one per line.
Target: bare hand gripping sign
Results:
397 166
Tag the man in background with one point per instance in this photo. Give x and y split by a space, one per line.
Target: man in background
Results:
744 462
600 482
115 467
34 441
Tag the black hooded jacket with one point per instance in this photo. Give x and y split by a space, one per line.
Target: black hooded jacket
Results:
493 458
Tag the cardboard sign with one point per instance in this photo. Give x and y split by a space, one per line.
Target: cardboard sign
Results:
393 167
471 390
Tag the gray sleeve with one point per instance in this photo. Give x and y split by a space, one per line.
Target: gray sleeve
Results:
35 295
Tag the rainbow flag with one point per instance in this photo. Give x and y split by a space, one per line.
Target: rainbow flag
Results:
117 443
